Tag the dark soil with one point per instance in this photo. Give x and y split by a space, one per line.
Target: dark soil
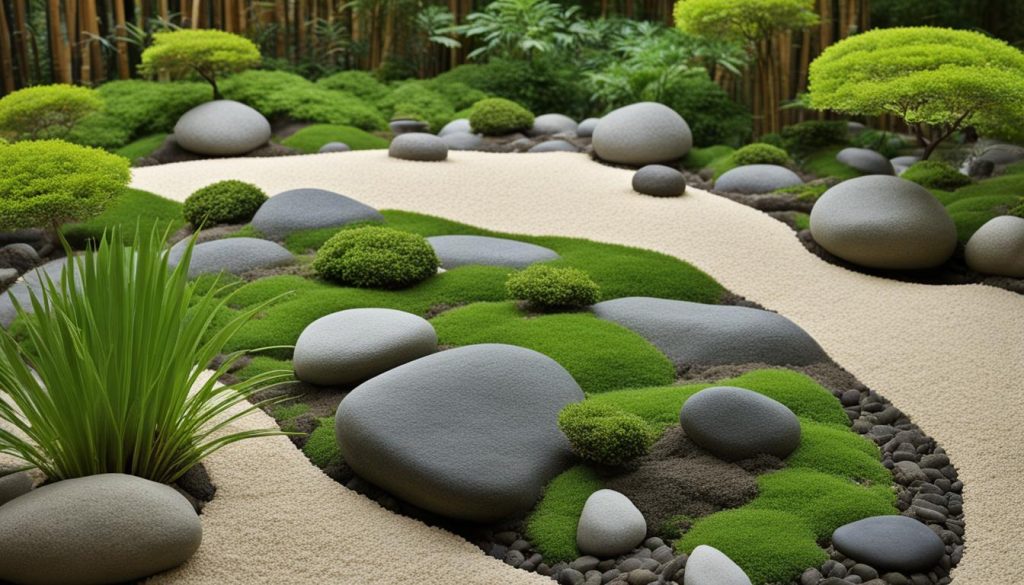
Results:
170 152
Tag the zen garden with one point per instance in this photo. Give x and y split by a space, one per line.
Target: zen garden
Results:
511 292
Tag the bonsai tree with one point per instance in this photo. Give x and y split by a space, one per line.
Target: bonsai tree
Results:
753 22
937 80
46 111
208 53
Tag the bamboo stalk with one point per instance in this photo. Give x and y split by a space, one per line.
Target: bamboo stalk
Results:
282 25
61 70
164 11
196 5
21 38
6 55
91 24
122 47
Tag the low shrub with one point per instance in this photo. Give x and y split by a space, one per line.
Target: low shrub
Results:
933 174
361 84
549 287
713 117
803 138
605 435
46 111
761 154
228 201
376 257
541 85
414 100
498 116
458 94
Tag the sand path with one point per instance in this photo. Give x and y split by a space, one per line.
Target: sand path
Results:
950 356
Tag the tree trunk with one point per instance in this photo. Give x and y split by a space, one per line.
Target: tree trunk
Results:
122 47
21 37
6 56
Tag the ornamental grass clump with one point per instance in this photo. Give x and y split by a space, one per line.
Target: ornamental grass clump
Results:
109 377
604 434
551 288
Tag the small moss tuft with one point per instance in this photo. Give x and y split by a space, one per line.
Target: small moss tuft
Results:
550 288
605 435
222 202
376 257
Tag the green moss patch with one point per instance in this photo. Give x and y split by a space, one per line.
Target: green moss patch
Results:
823 163
700 158
141 147
130 208
311 138
322 447
552 525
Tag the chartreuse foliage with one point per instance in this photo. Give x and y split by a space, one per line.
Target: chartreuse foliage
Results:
229 201
207 52
496 116
132 208
311 138
749 20
551 288
111 378
603 434
46 111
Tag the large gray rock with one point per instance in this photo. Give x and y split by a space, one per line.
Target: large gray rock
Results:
19 256
469 433
735 423
231 255
547 124
14 485
610 525
866 161
349 347
222 128
698 334
455 251
108 528
900 164
659 181
456 126
463 141
890 543
755 179
710 566
307 209
1002 154
997 247
586 127
418 146
641 134
554 146
33 280
335 147
884 222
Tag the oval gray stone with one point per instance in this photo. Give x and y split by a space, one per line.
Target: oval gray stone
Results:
698 334
335 147
709 566
462 141
997 247
866 161
470 433
231 255
1002 154
307 209
554 146
547 124
756 179
735 423
418 146
610 525
586 127
456 126
901 163
222 128
641 134
886 222
349 347
890 543
31 281
14 485
108 528
659 181
455 251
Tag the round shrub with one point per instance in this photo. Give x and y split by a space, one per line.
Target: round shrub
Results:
223 202
497 116
604 434
414 100
46 111
376 257
548 287
759 153
933 174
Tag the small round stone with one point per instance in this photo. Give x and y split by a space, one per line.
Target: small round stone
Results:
890 543
997 248
554 146
753 179
418 146
586 127
736 423
866 161
659 181
335 147
610 525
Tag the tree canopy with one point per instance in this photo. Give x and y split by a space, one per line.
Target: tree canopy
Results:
751 20
937 80
208 53
46 111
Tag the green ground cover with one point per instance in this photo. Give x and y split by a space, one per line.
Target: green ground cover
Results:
311 138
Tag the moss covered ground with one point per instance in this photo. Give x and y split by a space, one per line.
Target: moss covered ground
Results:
311 138
132 207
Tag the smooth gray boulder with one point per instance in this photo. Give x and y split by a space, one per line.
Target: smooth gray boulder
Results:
222 128
14 485
610 525
885 222
352 346
1001 154
735 423
418 146
901 163
642 134
407 126
659 181
19 256
709 566
33 280
469 433
554 146
997 248
335 147
108 528
548 124
455 251
698 334
456 126
756 179
586 127
866 161
307 209
462 141
890 543
855 128
231 255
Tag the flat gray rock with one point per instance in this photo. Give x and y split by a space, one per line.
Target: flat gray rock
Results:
307 209
32 280
997 248
231 255
709 566
548 124
462 141
456 126
418 146
890 543
883 222
866 161
642 134
469 433
610 525
586 127
335 147
735 423
659 181
222 128
455 251
108 528
554 146
756 179
14 485
698 334
1002 154
349 347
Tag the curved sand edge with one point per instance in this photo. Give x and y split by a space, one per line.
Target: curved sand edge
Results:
952 357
